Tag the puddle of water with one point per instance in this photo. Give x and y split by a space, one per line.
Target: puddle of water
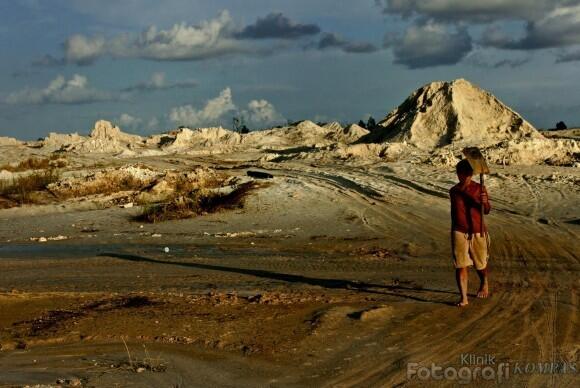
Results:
71 251
67 251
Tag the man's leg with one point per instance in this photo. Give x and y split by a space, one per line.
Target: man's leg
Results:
461 278
483 291
480 251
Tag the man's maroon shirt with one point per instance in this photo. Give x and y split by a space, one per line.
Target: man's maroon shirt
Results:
466 208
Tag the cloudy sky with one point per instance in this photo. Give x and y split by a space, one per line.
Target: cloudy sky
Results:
150 66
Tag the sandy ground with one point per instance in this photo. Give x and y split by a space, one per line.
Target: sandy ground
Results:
333 275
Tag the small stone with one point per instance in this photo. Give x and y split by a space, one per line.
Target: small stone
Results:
376 313
140 370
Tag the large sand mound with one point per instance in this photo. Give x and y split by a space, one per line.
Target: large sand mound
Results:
347 135
104 138
104 130
216 138
443 113
56 141
9 141
304 134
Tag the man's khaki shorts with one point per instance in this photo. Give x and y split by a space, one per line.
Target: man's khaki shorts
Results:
470 249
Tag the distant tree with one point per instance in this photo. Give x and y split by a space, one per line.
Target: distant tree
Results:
561 125
236 123
240 125
362 124
371 123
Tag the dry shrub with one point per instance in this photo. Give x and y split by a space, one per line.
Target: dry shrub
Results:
110 185
22 189
196 203
32 163
185 183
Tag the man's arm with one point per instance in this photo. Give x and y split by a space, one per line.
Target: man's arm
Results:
475 199
486 204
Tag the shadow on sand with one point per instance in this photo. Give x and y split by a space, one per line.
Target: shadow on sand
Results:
390 290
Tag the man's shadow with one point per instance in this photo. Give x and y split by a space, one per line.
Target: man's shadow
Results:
391 290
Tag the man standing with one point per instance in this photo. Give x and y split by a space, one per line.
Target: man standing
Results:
469 243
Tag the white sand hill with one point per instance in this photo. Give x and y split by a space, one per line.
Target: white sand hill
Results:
441 113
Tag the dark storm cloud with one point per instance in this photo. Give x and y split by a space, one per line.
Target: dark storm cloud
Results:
277 26
331 40
427 44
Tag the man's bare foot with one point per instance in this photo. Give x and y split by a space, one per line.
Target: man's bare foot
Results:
462 303
483 291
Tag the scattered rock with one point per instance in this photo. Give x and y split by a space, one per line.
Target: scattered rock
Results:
259 174
410 249
381 312
72 382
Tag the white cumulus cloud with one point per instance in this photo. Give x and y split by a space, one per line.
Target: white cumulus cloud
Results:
259 113
83 50
262 113
558 28
211 114
158 82
208 39
128 121
75 90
